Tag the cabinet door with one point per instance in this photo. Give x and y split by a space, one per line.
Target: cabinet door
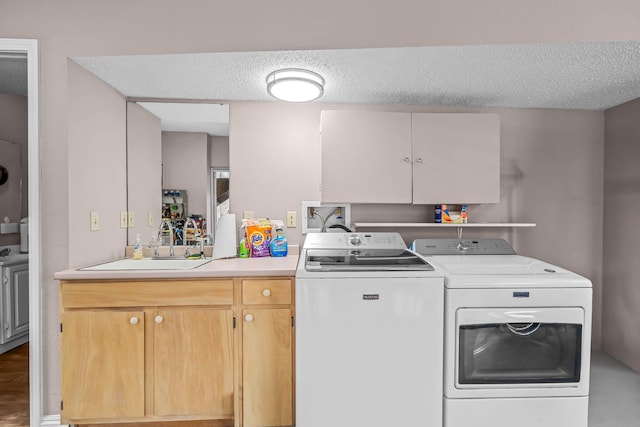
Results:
366 157
17 292
102 364
267 368
456 158
193 362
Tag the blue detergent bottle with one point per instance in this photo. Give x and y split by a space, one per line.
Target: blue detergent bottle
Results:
279 246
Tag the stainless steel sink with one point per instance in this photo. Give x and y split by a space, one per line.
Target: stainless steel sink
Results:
165 263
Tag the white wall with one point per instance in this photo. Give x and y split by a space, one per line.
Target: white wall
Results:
97 168
185 166
144 172
13 128
621 302
219 151
551 174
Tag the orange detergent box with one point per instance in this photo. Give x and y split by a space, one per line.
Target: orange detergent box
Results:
259 237
454 214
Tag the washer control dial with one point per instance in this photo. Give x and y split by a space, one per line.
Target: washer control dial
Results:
355 240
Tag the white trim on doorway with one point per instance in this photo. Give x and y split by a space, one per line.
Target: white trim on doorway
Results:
30 47
51 421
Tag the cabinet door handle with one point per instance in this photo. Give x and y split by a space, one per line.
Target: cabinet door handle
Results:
266 292
249 317
419 160
159 319
406 160
134 320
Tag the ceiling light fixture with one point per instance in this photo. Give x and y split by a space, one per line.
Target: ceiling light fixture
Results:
295 85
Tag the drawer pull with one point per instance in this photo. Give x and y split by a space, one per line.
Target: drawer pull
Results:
249 317
266 292
159 319
134 320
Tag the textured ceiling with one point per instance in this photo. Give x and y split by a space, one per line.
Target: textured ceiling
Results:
593 76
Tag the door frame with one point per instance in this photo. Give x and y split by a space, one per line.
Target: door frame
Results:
30 47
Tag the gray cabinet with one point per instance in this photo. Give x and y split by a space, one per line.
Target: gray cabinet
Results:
14 305
420 158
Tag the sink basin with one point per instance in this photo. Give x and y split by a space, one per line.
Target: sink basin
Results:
149 264
10 259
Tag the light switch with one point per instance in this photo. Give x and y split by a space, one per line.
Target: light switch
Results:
291 219
123 219
150 219
130 221
94 220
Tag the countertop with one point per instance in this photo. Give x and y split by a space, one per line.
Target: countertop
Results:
232 267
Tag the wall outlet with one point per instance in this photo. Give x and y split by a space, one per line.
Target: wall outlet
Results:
130 220
123 219
94 221
247 215
150 219
291 219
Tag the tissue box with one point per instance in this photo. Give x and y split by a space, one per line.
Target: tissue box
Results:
8 228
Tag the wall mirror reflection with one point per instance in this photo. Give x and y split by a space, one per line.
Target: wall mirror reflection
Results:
172 149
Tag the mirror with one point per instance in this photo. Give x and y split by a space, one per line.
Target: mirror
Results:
219 194
171 149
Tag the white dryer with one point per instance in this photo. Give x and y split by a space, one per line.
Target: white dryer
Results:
517 337
369 325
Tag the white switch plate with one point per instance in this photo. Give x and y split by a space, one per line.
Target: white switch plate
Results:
247 215
130 220
150 219
291 219
94 221
123 219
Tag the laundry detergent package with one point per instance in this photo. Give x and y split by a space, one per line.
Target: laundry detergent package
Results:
259 237
452 214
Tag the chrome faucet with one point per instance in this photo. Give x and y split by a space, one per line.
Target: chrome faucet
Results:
5 252
159 237
196 235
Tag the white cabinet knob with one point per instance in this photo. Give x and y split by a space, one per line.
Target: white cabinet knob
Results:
419 160
249 317
134 320
159 319
406 160
266 292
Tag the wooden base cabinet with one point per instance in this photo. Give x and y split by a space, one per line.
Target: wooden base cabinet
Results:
267 353
186 350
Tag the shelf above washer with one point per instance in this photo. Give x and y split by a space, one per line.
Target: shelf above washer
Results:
355 225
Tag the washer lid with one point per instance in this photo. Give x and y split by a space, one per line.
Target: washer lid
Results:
321 260
496 265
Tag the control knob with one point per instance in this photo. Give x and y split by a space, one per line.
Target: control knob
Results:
355 240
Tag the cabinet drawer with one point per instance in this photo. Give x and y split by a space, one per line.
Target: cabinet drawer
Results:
266 291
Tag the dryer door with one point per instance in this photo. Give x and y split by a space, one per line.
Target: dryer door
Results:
523 347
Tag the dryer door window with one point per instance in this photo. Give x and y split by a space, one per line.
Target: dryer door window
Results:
533 349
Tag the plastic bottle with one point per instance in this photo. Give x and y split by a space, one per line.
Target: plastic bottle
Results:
243 247
279 245
137 248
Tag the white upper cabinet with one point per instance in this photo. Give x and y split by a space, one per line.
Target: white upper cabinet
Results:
366 157
382 157
456 158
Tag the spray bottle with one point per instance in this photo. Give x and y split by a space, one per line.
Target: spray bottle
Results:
279 246
243 247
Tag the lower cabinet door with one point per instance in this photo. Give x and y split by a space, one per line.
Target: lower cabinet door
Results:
193 362
267 367
102 364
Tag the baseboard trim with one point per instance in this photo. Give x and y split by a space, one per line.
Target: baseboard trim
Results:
51 421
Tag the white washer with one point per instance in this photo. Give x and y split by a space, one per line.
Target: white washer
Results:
517 337
369 325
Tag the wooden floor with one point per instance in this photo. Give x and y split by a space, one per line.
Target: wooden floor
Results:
14 387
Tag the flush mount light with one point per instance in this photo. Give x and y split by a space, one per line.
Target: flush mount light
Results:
295 85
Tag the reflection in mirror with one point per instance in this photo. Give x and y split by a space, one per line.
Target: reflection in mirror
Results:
219 195
173 146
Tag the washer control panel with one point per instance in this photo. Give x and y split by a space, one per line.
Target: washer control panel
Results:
462 247
354 240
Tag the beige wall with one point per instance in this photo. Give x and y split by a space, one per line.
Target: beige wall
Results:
185 166
219 151
68 28
97 168
551 174
13 128
144 172
621 300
